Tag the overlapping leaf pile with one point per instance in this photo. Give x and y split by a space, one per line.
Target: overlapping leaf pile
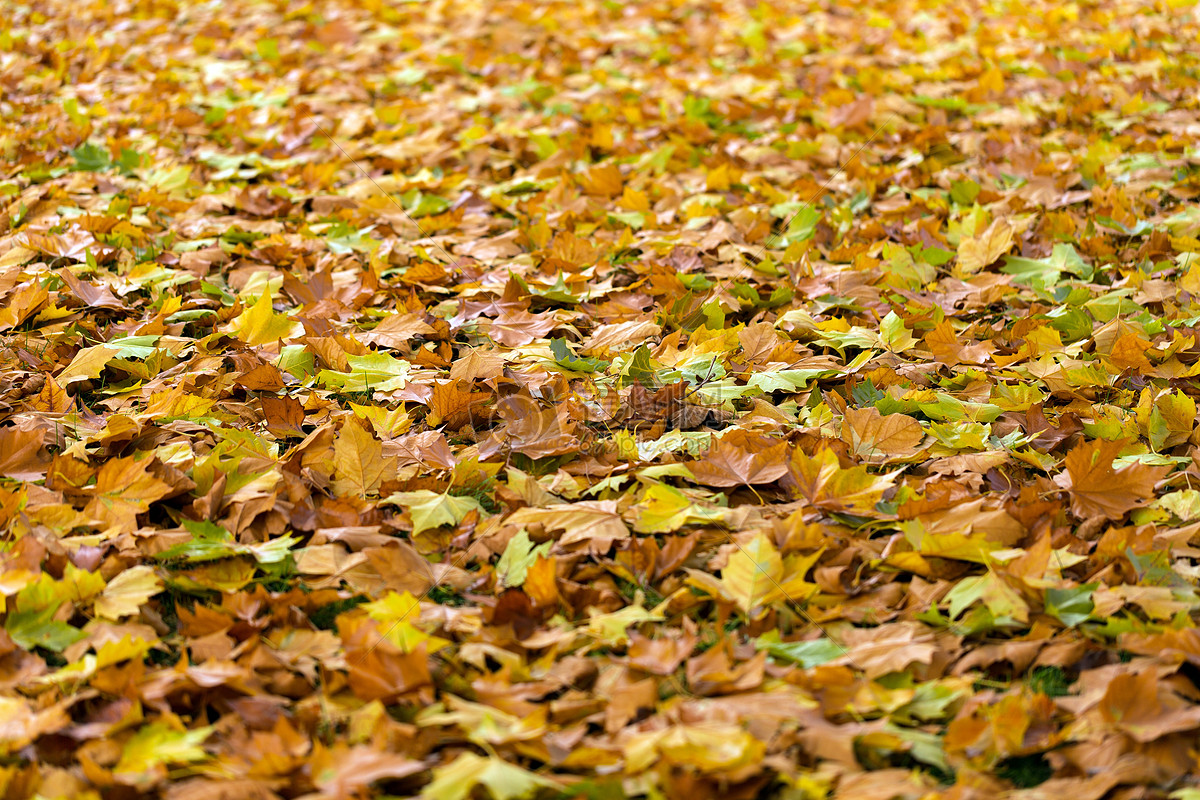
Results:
590 399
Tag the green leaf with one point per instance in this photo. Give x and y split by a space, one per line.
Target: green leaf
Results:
807 654
964 192
1002 601
31 629
418 204
787 380
90 158
518 557
1045 273
931 701
568 360
894 335
268 49
803 220
128 161
211 542
1071 606
638 369
368 373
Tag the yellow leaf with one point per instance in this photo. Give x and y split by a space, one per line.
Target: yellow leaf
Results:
125 593
156 745
259 324
429 510
976 252
753 573
358 459
88 363
583 521
504 781
705 746
397 615
822 481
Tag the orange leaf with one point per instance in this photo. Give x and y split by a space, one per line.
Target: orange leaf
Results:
1098 489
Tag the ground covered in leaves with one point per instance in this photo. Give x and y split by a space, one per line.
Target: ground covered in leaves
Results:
588 399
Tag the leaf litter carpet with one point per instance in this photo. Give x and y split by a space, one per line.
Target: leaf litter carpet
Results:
682 399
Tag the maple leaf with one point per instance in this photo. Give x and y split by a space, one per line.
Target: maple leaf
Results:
821 480
566 302
151 748
344 771
1002 600
87 363
741 458
373 372
532 431
452 403
944 344
597 522
611 629
756 575
283 415
516 328
429 510
706 746
504 781
1141 706
21 453
124 488
664 509
878 438
975 253
1096 488
358 461
127 591
519 555
259 324
397 615
378 669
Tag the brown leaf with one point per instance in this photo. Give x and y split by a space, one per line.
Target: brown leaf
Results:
21 454
92 295
661 656
516 328
378 670
396 330
532 430
944 343
283 415
344 772
740 458
877 438
1098 489
1137 703
821 480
